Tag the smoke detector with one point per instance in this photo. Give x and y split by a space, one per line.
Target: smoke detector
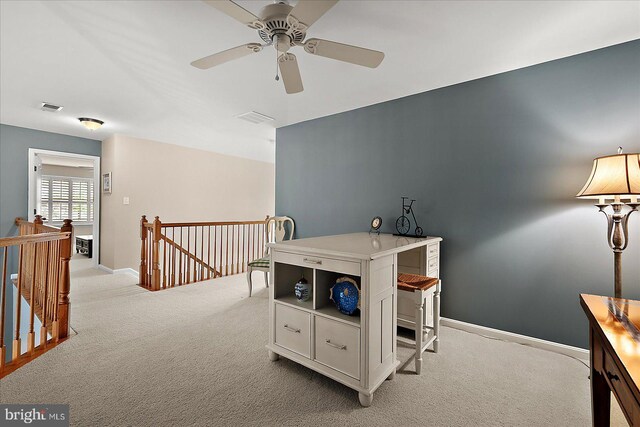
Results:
255 117
52 108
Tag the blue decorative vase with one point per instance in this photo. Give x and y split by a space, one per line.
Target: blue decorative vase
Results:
345 295
302 290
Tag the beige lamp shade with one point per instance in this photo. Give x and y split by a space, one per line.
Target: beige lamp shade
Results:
612 176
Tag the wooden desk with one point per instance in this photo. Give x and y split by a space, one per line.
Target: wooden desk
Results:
614 339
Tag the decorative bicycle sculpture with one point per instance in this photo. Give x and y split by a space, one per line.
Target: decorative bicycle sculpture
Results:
403 224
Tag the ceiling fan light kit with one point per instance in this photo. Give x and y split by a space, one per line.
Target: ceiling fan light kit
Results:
283 27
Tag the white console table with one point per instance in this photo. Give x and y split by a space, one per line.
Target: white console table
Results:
357 351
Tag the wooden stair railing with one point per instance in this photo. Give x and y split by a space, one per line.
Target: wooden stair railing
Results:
41 258
178 253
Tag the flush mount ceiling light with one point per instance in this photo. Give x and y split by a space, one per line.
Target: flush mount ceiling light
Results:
91 124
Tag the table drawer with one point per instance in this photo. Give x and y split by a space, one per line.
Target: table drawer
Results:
621 389
293 329
338 346
433 250
321 263
432 264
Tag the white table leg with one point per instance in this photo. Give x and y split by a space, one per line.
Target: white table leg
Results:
249 280
365 400
392 375
419 326
436 318
273 356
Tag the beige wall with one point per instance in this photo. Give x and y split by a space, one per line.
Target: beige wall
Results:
177 184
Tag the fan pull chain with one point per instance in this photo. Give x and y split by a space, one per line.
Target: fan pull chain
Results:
277 76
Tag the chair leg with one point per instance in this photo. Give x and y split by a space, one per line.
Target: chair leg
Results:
419 327
249 280
266 278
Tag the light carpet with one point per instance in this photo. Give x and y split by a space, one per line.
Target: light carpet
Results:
195 355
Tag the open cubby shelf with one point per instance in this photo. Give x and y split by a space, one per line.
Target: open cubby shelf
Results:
287 275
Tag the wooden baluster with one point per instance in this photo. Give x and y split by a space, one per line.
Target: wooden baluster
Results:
215 251
188 259
65 280
173 264
233 248
180 281
17 344
142 271
55 329
226 267
201 262
150 259
45 312
3 304
155 274
164 264
209 252
31 335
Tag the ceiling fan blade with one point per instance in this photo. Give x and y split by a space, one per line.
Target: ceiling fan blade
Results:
309 11
344 52
226 55
237 12
290 73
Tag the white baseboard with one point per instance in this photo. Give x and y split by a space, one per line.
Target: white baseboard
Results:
105 269
130 271
567 350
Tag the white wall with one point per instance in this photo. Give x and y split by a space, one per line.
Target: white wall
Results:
177 184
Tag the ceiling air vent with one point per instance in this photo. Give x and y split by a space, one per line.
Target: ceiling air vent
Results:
255 118
46 106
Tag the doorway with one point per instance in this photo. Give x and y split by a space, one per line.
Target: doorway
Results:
67 185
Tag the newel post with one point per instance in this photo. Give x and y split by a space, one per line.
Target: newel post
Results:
142 273
155 274
65 281
37 224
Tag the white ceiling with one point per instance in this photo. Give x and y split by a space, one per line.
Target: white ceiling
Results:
127 62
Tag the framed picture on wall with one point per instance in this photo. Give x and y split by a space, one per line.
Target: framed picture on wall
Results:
106 182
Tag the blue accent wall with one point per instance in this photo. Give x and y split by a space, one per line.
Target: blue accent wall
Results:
14 181
494 164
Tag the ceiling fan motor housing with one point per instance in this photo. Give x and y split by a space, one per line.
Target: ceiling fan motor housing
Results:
279 28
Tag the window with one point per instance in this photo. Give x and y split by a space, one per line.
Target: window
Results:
66 197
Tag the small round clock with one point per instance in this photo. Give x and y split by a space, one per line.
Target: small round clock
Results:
376 223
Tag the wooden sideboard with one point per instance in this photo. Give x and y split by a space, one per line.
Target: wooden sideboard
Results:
614 340
84 245
358 351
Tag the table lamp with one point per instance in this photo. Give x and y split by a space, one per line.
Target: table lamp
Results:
615 180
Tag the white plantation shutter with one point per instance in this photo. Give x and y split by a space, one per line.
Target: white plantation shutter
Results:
45 190
63 198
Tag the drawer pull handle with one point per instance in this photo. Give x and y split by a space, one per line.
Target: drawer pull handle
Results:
338 346
312 261
289 328
612 377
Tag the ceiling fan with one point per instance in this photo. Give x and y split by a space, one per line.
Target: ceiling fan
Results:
283 27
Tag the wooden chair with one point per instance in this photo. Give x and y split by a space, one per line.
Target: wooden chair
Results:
425 293
276 232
